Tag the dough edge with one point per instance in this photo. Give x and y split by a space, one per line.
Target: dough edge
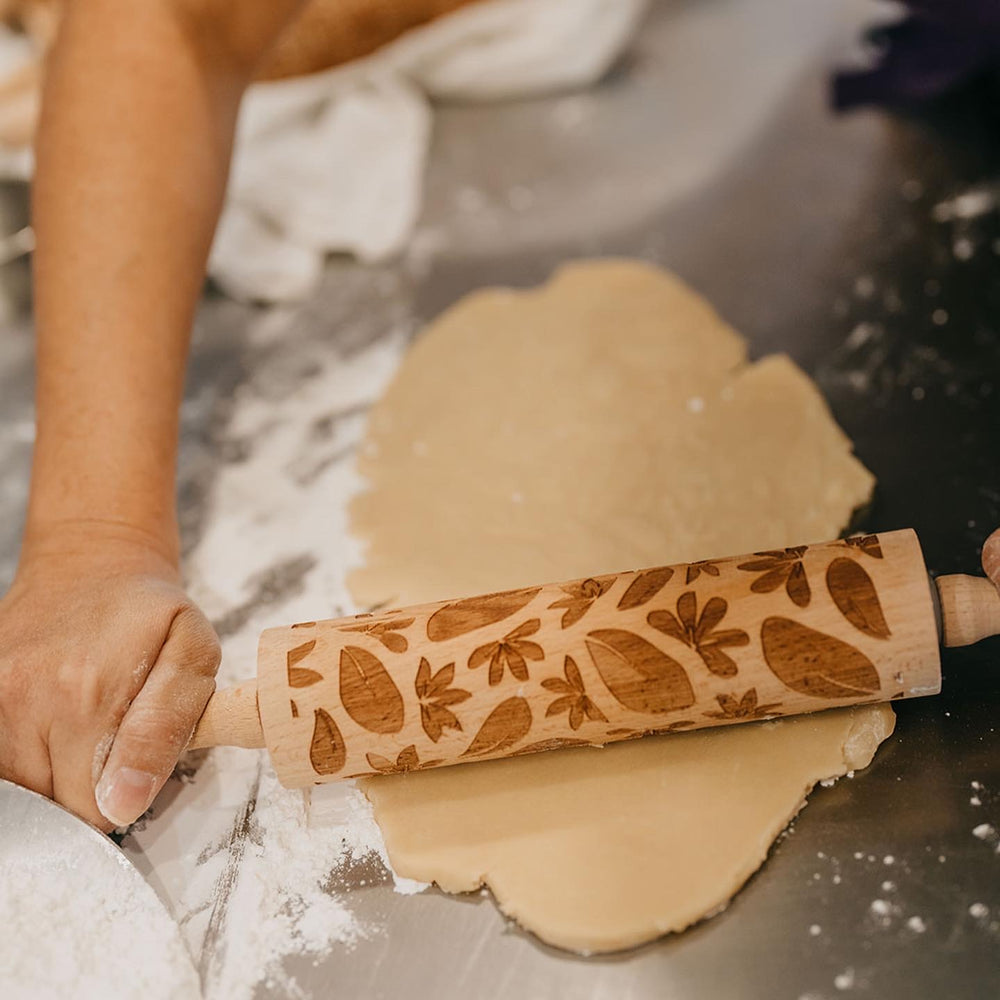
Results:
870 726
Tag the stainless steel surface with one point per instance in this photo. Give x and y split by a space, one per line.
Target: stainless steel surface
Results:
709 150
26 819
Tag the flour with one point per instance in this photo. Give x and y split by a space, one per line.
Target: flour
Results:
260 876
71 932
278 904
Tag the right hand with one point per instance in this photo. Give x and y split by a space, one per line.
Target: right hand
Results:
991 557
105 668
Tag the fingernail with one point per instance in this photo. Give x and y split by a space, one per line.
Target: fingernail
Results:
124 795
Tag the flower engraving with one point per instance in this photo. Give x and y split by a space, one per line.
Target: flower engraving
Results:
387 633
436 696
700 632
580 596
867 544
407 760
509 653
572 697
706 566
742 708
779 567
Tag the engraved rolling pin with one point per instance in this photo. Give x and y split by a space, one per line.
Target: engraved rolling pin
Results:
607 658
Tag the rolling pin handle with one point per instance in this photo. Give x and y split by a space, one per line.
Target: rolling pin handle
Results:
231 719
970 609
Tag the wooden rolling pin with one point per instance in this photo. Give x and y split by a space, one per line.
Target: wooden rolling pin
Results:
607 658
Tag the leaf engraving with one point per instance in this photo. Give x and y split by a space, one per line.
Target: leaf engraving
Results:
854 594
368 693
387 633
645 587
701 632
327 751
640 676
556 743
506 725
300 677
580 596
436 695
459 617
512 652
814 663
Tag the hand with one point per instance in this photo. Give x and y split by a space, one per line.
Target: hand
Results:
991 557
105 667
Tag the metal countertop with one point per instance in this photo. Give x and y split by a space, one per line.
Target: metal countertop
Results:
710 150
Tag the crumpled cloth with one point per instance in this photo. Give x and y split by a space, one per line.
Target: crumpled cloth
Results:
334 162
940 46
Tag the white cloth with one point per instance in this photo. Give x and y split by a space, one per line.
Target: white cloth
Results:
334 161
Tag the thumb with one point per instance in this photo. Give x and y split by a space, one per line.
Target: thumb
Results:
991 557
158 724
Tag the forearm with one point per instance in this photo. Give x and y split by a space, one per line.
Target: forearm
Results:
133 151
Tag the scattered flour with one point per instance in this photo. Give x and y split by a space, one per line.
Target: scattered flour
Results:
968 205
258 874
283 897
845 979
89 936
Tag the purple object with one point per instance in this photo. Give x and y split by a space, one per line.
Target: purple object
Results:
938 47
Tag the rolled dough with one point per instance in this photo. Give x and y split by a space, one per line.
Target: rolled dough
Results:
608 420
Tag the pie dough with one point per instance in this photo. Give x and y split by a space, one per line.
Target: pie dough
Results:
608 420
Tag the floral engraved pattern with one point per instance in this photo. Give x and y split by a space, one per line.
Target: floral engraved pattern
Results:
777 567
580 596
436 695
867 544
509 653
742 708
407 760
387 633
700 633
572 697
694 570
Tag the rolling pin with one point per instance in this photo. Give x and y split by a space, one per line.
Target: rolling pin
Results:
611 657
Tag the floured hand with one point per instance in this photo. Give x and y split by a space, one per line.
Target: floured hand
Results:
105 667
